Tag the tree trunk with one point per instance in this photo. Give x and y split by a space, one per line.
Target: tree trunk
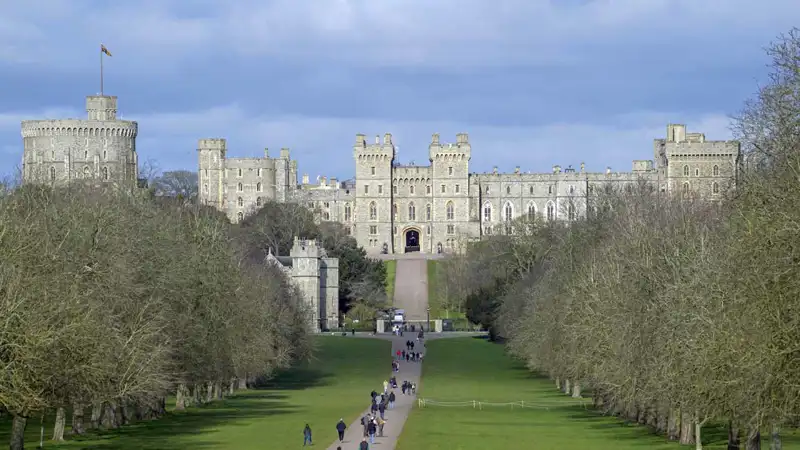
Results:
77 419
673 425
58 427
97 412
209 392
109 420
775 441
180 397
567 387
698 435
196 397
753 440
576 390
125 412
18 432
558 383
641 416
243 383
687 429
232 386
734 442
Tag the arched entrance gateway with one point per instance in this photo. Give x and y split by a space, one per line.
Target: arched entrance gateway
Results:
412 240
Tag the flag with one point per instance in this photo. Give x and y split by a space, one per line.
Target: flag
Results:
104 50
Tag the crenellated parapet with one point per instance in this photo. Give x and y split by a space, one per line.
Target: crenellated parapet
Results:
79 128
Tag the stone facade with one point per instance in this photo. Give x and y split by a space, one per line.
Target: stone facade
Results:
317 277
388 206
101 147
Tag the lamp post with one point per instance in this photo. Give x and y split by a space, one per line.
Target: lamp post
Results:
429 318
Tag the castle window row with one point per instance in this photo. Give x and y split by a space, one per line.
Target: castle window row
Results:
687 170
87 173
240 187
240 172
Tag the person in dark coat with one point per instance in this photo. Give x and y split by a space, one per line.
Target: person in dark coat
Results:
365 422
307 435
372 428
382 409
364 445
340 427
392 398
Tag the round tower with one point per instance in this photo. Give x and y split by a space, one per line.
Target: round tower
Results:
100 147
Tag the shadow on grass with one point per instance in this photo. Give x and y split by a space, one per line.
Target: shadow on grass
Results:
172 430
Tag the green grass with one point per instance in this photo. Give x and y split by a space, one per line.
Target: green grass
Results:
466 369
437 311
391 274
334 385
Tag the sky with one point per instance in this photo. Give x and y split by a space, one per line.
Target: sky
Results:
535 83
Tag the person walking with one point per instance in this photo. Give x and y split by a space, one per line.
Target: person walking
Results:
364 445
372 427
382 409
340 427
381 423
392 398
307 435
385 385
364 423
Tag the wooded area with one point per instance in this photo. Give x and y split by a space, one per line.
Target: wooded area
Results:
674 313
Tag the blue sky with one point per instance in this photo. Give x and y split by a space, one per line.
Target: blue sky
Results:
534 83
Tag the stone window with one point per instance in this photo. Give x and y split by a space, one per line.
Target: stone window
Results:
373 211
347 231
372 171
394 231
531 211
240 202
571 212
205 189
411 190
239 173
240 216
487 189
105 173
380 189
488 230
394 212
550 189
444 189
326 215
105 154
571 189
427 190
508 189
686 171
487 212
347 212
449 170
394 189
366 189
451 229
258 186
715 188
52 173
697 172
686 188
508 212
715 171
530 190
240 187
428 229
450 211
326 205
373 229
86 172
551 211
412 211
86 154
259 201
428 211
458 189
259 171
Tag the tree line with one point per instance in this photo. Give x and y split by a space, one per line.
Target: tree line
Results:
111 300
673 313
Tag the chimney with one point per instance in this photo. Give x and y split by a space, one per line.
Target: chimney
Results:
334 183
305 178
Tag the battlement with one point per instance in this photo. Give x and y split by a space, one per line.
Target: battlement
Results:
79 128
101 107
212 144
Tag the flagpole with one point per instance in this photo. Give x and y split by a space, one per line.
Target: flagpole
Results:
101 72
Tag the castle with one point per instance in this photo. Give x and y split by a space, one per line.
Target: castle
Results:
317 276
101 148
393 208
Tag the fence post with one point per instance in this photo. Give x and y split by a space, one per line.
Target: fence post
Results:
480 406
523 404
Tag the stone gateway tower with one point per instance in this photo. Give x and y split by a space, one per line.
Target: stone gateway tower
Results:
101 147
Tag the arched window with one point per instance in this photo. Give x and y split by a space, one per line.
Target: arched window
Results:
686 188
715 187
715 171
531 211
487 212
347 212
686 171
52 174
86 154
428 211
697 172
240 216
530 190
240 187
258 186
508 212
240 172
411 189
571 212
259 171
450 210
240 202
549 189
373 211
508 189
412 211
258 201
105 173
394 212
551 211
205 189
105 154
571 189
86 173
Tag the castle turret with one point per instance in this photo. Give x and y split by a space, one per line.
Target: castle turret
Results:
211 174
306 256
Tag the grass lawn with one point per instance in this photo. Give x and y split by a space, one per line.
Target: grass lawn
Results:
437 312
335 385
466 369
391 273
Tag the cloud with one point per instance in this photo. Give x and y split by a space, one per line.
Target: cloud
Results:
323 145
157 35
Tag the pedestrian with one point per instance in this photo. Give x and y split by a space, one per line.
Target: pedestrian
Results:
364 422
307 435
403 388
373 408
364 445
392 398
381 423
382 409
414 388
408 356
372 427
398 354
385 385
340 427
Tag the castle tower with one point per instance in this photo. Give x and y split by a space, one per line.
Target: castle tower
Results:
101 148
450 187
211 176
305 272
373 210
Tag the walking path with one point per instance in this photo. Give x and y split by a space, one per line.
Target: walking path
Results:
395 418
